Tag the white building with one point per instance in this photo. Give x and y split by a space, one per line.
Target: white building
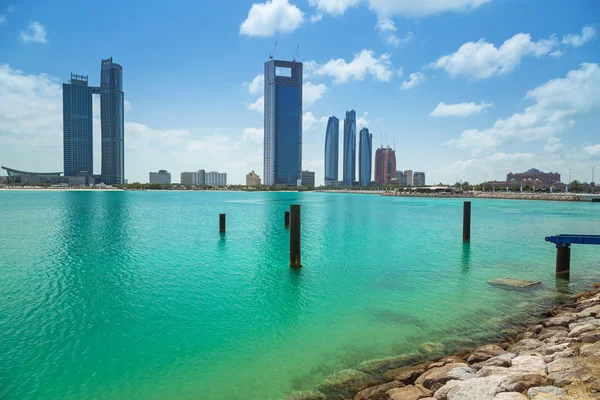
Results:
252 179
194 178
214 178
161 177
408 177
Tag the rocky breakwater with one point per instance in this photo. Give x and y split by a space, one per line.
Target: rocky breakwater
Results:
558 358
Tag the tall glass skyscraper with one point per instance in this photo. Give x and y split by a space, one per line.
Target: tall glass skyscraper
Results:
349 165
78 151
365 157
112 105
332 140
283 123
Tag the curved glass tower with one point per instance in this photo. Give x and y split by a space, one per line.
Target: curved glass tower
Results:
332 149
350 148
112 122
78 151
365 151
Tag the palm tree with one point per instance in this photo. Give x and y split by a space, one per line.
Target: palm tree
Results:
576 186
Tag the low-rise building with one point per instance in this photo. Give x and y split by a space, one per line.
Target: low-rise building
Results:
252 179
308 178
161 177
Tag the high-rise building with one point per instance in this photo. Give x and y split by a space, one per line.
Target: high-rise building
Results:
365 157
283 123
418 178
400 178
252 179
112 122
332 141
408 177
385 165
308 178
78 138
214 178
349 160
194 178
161 177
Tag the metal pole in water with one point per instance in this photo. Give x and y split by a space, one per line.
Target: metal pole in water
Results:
222 223
563 260
286 219
295 236
467 221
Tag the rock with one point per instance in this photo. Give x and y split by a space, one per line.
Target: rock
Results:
406 393
589 312
485 352
461 373
503 360
437 375
527 346
561 354
491 370
584 321
556 348
306 395
590 350
406 375
428 392
510 332
590 337
476 389
536 329
565 371
346 383
442 393
528 364
522 382
452 359
381 366
581 329
546 392
558 337
582 306
512 282
377 392
561 320
432 348
510 396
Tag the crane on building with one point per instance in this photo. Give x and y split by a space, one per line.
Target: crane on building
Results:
272 54
296 56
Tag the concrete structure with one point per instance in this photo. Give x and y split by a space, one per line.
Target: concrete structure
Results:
408 177
349 159
418 178
332 141
365 157
214 178
546 178
161 177
194 178
112 112
252 179
308 178
17 177
283 123
385 165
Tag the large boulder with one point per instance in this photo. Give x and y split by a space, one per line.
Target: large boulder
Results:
527 346
485 352
546 392
346 383
503 360
576 331
442 393
522 382
406 375
380 366
491 370
462 373
593 311
590 350
565 371
476 389
561 320
591 336
377 392
510 396
406 393
438 375
528 364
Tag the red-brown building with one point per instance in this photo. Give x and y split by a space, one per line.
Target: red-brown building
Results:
385 165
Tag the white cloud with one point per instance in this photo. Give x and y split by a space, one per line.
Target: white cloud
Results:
363 122
553 144
364 63
556 104
255 135
316 17
423 8
312 93
482 59
592 150
273 16
257 85
387 29
309 121
414 80
35 32
258 105
557 53
2 19
336 7
588 33
459 109
400 72
127 105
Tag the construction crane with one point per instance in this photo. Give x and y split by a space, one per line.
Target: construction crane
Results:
272 54
296 56
394 141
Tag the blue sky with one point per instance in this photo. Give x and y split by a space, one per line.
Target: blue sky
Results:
463 87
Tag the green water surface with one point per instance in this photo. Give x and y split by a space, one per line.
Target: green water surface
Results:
135 295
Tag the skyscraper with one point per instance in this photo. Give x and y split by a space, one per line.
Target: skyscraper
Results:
112 104
332 141
385 165
419 178
365 151
78 151
349 165
408 177
283 123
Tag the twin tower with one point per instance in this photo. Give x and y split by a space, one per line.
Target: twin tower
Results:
78 125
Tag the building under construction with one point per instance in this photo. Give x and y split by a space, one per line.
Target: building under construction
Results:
385 165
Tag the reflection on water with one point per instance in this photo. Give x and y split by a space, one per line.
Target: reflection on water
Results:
465 257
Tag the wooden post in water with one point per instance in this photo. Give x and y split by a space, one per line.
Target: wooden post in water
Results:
222 223
295 236
467 221
286 219
563 260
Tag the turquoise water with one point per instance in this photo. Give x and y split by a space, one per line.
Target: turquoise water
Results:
126 295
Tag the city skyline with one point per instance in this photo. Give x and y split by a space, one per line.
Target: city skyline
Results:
448 118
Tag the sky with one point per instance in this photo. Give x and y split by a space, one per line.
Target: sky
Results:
463 89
